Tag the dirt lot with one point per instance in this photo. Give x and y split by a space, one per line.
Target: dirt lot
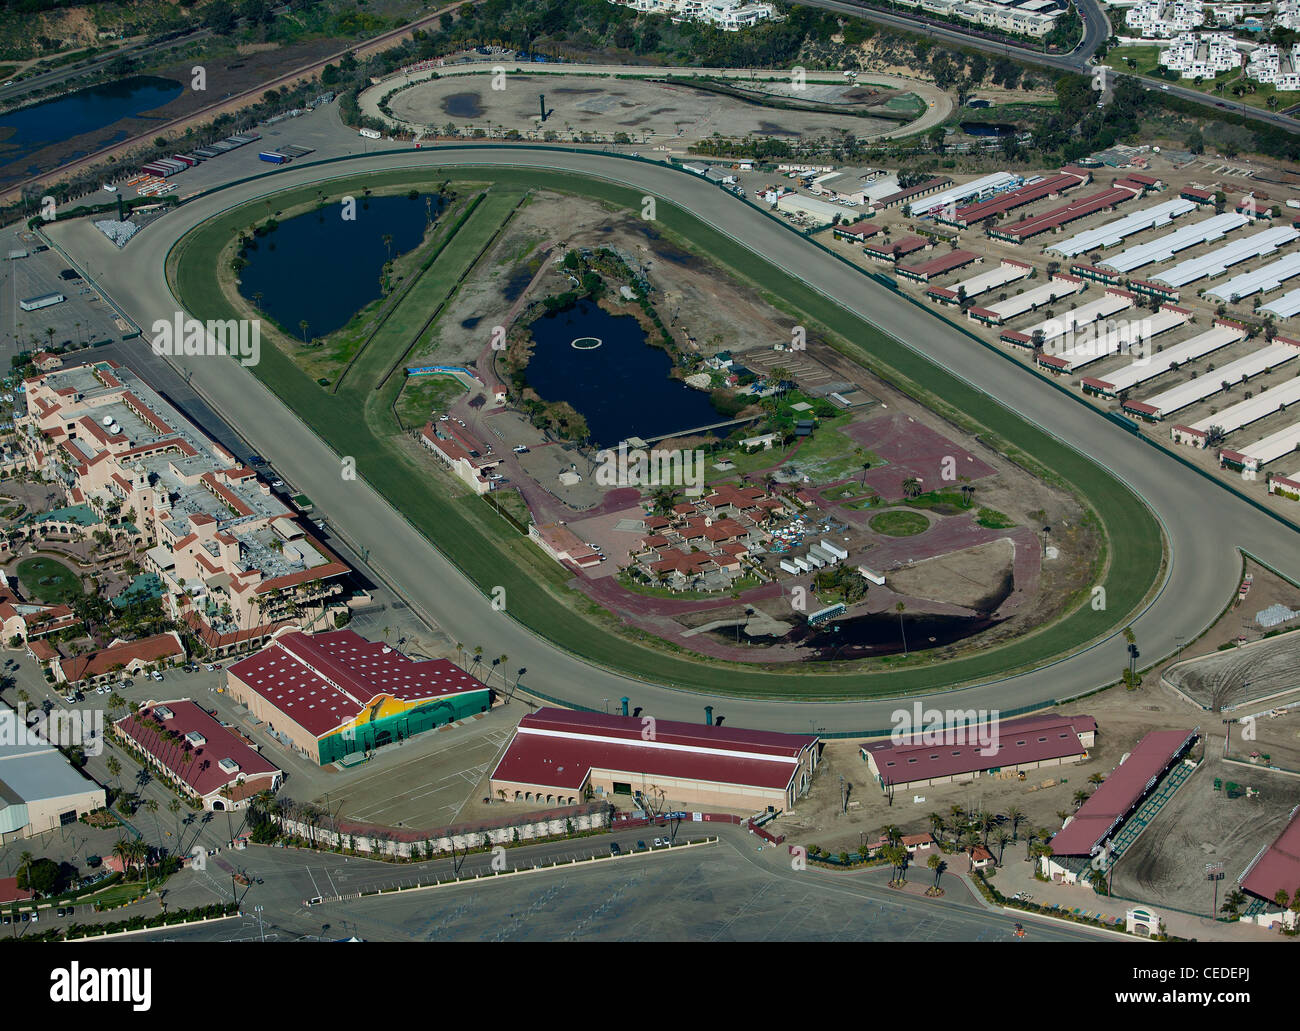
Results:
641 108
428 781
1199 825
1123 719
1215 679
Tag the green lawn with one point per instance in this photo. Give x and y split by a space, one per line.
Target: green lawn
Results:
489 556
992 519
900 524
422 395
49 581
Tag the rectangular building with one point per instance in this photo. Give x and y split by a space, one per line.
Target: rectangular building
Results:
558 756
956 755
334 694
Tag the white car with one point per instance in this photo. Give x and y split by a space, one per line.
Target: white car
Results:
277 484
156 675
210 668
110 188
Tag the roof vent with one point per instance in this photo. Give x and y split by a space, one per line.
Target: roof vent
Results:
229 765
162 712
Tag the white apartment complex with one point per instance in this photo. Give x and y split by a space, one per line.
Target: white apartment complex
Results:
1203 55
1164 19
1275 66
728 15
1023 17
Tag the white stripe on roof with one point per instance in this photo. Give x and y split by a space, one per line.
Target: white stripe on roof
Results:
1112 233
1164 248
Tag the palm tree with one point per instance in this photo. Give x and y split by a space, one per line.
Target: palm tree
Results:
151 806
901 608
123 850
937 825
114 769
1096 778
935 863
1001 838
1080 797
174 807
1015 816
987 821
911 487
302 328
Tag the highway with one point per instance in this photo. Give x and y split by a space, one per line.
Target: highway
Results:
1096 30
1204 524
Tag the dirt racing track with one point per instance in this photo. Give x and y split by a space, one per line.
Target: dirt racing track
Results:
590 99
1202 536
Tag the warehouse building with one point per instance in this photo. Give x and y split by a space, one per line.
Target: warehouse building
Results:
43 301
335 694
39 789
559 756
959 755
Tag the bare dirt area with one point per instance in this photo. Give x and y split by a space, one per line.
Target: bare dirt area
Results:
1123 719
1234 677
642 108
961 577
1203 824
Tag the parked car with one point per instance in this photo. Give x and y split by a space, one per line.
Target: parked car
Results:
277 484
640 846
157 676
659 842
210 668
614 850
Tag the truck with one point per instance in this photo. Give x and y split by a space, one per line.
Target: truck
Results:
274 158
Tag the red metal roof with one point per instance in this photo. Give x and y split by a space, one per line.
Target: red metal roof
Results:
1025 740
196 765
325 680
559 747
1128 784
940 265
1278 867
1066 213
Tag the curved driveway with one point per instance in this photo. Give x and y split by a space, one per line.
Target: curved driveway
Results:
1203 523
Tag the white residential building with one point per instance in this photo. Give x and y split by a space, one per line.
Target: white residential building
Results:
1275 66
728 15
1164 19
1288 14
1204 55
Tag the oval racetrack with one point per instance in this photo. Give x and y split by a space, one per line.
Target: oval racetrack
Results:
1204 524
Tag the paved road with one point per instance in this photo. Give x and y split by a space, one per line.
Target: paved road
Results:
1204 525
1095 31
722 892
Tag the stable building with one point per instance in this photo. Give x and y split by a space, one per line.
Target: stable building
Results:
335 694
960 754
559 757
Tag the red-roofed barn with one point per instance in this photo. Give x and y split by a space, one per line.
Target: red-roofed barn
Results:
557 755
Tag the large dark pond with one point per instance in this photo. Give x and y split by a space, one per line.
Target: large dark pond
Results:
623 387
28 129
321 269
